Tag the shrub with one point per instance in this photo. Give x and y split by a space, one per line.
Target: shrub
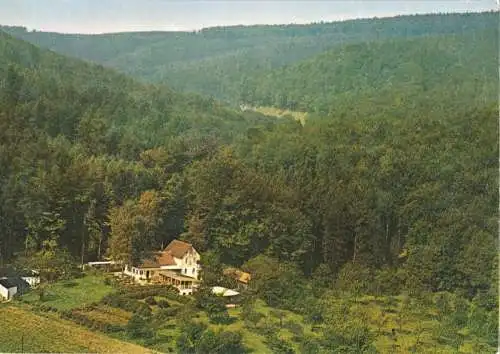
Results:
137 327
279 346
163 304
143 310
139 292
150 300
295 328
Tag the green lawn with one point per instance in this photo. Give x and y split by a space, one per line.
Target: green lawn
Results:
73 293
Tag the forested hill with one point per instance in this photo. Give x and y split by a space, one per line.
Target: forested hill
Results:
65 123
394 192
391 75
215 61
105 110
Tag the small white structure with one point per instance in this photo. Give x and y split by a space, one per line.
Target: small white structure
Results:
32 281
221 291
178 265
7 289
103 265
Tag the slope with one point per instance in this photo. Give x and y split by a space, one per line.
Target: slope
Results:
215 61
72 133
58 95
377 77
42 334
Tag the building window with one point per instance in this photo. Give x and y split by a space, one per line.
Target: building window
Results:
192 271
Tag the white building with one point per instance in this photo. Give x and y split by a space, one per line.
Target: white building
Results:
178 265
7 289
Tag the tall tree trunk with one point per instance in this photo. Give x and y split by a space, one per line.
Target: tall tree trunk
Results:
355 248
83 247
99 247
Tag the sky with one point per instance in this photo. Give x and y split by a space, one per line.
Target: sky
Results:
98 16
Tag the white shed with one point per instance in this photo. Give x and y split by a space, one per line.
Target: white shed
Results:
7 289
220 291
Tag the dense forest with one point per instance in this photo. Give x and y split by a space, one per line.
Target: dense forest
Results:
217 61
63 117
391 186
384 76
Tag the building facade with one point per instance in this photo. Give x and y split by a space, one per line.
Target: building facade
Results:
177 265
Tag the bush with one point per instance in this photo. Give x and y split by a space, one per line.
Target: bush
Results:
47 308
143 310
139 292
81 319
121 301
295 328
279 346
163 314
163 304
150 301
137 327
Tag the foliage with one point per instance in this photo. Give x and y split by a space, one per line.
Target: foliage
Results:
213 305
223 61
196 338
150 301
137 327
387 190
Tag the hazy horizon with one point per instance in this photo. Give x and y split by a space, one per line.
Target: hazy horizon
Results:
108 16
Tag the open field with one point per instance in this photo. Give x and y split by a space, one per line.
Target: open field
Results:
65 295
282 113
42 334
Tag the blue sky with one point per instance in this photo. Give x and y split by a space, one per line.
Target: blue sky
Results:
97 16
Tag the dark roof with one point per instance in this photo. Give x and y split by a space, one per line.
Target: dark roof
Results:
178 248
15 281
6 283
11 272
157 260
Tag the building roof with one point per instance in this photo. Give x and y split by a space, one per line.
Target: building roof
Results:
178 248
8 272
102 263
6 283
238 275
220 291
157 260
177 276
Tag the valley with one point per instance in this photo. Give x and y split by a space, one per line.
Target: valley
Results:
347 171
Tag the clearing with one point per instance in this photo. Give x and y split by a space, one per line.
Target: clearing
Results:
69 294
282 113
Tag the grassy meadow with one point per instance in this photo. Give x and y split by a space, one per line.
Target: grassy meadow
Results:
69 294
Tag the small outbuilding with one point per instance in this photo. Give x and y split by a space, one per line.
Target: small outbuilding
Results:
220 291
231 297
7 289
242 278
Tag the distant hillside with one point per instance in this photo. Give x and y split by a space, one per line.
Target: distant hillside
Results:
393 75
215 61
59 95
